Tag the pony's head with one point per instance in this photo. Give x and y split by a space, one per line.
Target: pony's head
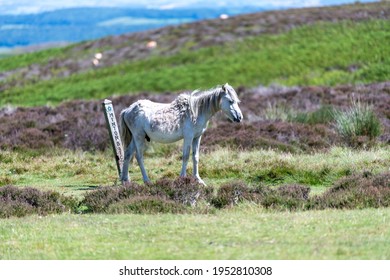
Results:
229 103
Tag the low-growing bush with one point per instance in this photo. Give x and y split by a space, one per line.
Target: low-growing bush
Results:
19 202
355 192
11 208
99 200
146 205
185 195
231 194
184 191
287 197
295 127
174 196
283 136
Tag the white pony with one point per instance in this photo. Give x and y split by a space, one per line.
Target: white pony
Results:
185 118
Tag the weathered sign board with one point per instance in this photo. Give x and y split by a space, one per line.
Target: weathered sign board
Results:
113 130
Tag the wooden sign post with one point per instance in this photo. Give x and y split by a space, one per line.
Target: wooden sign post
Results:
113 130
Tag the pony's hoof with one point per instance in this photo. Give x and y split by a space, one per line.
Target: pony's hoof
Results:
200 181
148 183
125 182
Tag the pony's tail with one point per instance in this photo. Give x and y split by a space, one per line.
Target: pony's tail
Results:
125 132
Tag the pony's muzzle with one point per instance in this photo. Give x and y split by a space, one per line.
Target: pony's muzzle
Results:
238 117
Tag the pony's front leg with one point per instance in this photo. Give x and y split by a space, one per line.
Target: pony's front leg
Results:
195 159
186 155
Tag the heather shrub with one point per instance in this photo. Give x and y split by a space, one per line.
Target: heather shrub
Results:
289 197
283 136
99 200
356 191
295 127
146 205
34 138
185 190
285 197
23 201
182 192
185 195
12 208
231 194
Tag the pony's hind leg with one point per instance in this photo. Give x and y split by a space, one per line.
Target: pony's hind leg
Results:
129 154
186 155
139 147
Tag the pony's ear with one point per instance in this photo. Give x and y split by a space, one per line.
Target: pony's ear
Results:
224 87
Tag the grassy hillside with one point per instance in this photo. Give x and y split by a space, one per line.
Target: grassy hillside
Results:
26 59
323 54
172 39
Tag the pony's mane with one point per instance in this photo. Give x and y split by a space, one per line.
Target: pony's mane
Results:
198 101
202 101
209 100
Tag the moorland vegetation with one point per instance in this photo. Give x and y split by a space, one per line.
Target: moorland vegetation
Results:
315 90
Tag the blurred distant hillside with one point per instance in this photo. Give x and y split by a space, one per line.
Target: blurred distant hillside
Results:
325 46
79 24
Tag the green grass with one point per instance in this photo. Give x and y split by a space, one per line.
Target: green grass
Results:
358 121
10 62
76 172
325 114
246 232
64 171
321 54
